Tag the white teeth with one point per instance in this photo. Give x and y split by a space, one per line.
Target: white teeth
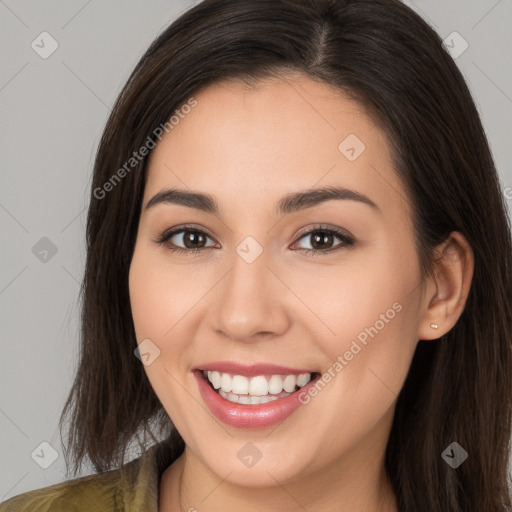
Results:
245 389
289 383
275 385
303 379
240 384
258 386
215 379
228 396
247 399
226 383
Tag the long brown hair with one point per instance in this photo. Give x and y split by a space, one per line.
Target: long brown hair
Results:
384 56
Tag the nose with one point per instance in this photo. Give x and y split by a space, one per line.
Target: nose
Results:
249 303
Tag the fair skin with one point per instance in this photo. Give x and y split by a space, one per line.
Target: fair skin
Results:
247 148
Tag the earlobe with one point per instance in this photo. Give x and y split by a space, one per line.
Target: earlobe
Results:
448 289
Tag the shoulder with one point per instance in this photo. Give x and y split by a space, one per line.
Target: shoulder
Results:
94 492
134 486
105 492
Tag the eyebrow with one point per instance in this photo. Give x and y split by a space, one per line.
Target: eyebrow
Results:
290 203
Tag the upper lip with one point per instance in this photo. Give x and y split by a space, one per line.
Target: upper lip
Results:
251 370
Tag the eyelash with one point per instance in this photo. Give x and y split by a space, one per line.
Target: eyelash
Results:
346 240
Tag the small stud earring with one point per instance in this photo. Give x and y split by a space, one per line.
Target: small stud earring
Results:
434 326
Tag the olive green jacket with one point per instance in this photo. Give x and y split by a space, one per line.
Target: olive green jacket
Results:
132 488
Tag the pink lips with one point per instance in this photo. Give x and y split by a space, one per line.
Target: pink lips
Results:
249 416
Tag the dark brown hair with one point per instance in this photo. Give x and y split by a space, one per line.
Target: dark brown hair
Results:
384 56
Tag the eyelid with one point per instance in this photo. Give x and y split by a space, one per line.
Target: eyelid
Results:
323 227
185 227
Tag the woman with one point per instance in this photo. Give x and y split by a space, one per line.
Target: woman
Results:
298 274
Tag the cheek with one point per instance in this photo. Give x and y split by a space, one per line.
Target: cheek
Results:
368 361
159 297
157 303
370 318
365 294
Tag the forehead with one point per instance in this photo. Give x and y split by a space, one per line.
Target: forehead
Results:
260 141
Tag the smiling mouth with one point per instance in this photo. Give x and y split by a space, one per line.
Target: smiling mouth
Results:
256 390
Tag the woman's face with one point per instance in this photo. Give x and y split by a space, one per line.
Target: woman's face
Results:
260 292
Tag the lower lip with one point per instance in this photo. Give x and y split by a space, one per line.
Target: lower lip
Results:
249 416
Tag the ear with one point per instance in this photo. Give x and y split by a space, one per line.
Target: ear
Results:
446 292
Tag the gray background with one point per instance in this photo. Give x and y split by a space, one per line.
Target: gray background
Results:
52 114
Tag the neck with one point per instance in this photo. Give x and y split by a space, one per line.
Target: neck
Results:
345 485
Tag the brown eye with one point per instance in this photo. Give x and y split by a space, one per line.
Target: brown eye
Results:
190 239
322 240
193 239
